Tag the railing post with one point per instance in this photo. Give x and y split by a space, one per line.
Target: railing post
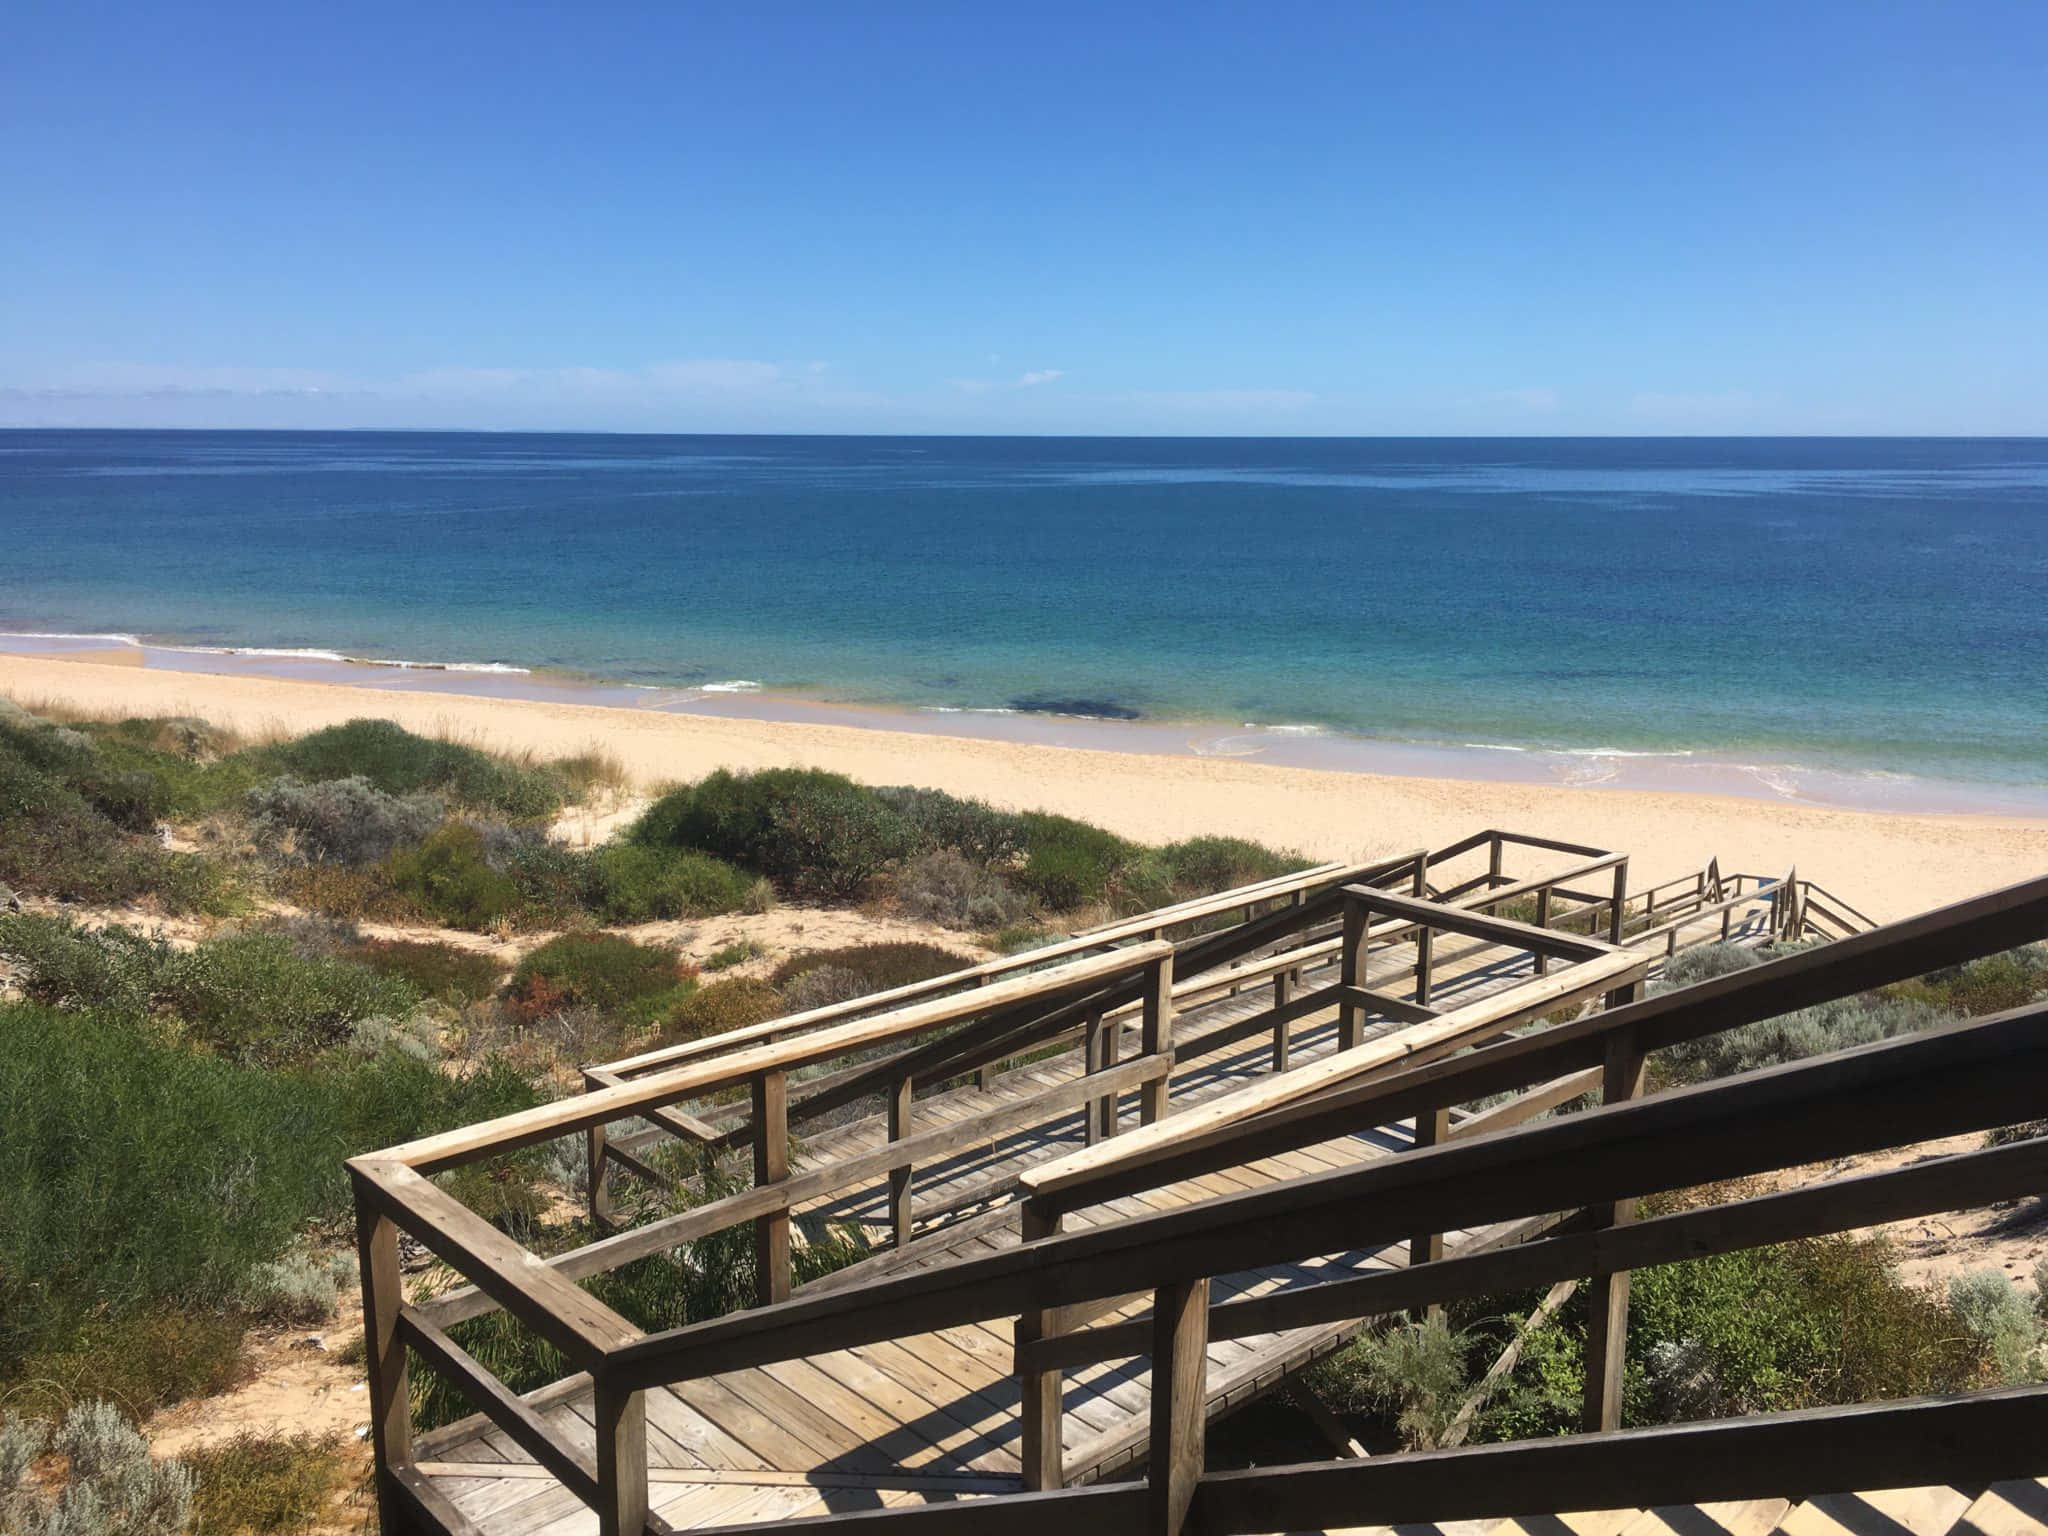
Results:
771 1166
901 1219
1432 1127
598 1181
985 1074
1607 1296
1795 919
621 1421
1158 1037
1493 864
390 1398
1543 921
1620 901
1283 994
1425 938
1104 1109
1351 961
1180 1387
1040 1392
1091 1063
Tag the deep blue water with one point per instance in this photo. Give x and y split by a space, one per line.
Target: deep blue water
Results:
1851 602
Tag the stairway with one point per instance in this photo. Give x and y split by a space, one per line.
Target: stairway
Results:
2017 1508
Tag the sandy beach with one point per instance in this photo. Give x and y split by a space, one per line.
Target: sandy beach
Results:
1890 865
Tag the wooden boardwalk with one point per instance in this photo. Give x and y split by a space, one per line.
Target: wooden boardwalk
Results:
1029 1077
935 1416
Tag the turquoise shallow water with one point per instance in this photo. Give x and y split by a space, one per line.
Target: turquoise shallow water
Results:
1862 605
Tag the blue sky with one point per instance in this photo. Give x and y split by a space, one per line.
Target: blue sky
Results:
1261 218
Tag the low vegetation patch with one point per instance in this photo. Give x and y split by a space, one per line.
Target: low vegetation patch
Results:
605 971
958 862
733 1002
434 968
254 1485
1820 1322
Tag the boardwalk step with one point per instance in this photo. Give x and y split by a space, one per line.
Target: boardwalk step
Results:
1892 1511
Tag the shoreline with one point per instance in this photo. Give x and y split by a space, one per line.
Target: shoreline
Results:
1304 746
1891 864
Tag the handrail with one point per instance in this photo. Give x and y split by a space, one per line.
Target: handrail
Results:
1029 960
565 1116
1965 930
1465 1173
1975 1074
1066 1180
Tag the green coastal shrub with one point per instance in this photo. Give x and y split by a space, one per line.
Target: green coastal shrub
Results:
880 966
448 878
1202 866
972 829
811 832
954 891
340 821
605 971
2004 1320
57 841
111 1486
267 1485
1069 863
398 762
1990 985
1836 1025
731 1003
435 968
137 1174
1815 1323
633 883
60 963
252 996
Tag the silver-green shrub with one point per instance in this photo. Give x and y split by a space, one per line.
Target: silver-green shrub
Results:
1998 1312
341 821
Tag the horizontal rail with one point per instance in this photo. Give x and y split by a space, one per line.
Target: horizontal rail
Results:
570 1318
498 1403
1958 1182
767 1199
1966 930
528 1127
1076 1178
1972 1440
1029 961
1969 1076
1474 924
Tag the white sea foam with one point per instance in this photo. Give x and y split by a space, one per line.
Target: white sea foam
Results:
58 634
737 685
1615 752
1286 730
1492 746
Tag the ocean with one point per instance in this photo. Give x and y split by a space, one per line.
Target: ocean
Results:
1859 607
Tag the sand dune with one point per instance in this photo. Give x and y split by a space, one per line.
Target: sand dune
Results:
1889 865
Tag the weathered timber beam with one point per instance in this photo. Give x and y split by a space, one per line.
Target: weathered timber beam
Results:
1973 1439
504 1408
564 1314
768 1199
1476 925
1966 1077
509 1133
1970 929
1921 1189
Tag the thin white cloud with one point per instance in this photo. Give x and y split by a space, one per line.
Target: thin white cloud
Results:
1039 376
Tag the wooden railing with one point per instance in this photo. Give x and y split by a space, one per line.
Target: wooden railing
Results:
1570 1183
1093 992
